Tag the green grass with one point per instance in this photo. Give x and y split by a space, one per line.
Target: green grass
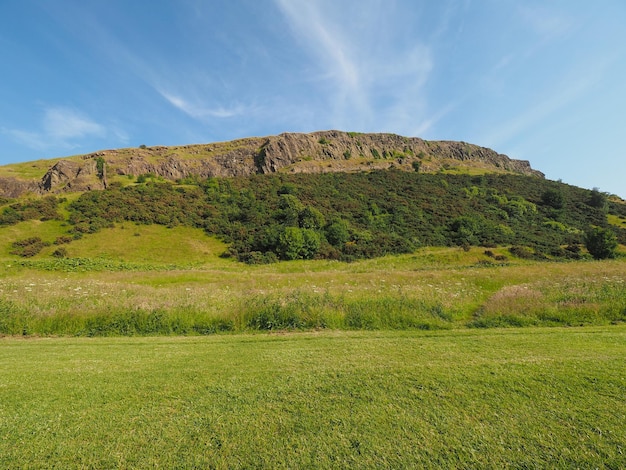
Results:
186 293
126 242
149 244
27 170
48 231
615 220
516 398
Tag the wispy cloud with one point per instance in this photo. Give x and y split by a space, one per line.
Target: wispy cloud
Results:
60 127
66 124
160 78
334 55
545 21
536 113
426 124
201 112
374 78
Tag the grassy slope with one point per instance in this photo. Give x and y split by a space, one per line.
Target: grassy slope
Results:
28 170
465 399
150 244
126 242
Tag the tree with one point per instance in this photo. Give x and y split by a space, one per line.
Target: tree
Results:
101 170
601 243
337 233
465 230
553 198
598 199
291 243
310 217
289 209
311 243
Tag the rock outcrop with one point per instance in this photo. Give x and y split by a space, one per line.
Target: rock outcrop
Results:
66 175
12 187
317 152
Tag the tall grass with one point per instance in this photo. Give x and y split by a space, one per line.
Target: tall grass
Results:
104 297
298 310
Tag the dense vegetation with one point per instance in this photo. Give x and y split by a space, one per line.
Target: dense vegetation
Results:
352 216
39 209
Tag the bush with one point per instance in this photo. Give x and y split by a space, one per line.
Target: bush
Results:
60 252
522 252
28 247
337 233
63 240
601 243
598 199
553 198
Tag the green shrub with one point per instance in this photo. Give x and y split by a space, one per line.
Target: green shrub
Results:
522 252
553 198
63 240
355 215
601 243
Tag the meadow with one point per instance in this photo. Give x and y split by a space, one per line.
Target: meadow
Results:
172 281
496 398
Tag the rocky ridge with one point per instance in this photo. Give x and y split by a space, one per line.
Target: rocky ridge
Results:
317 152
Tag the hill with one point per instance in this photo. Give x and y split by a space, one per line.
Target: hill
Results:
318 152
328 195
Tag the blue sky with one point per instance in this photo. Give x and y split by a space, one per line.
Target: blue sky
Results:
539 80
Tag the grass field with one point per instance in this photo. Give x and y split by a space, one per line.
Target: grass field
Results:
395 362
514 398
172 281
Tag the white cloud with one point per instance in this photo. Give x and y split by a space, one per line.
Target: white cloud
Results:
427 124
572 87
30 139
373 78
66 124
307 22
197 111
60 128
535 115
334 55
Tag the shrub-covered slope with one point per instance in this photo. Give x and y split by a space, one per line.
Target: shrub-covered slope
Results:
343 215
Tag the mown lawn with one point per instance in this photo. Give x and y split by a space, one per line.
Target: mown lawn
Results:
497 398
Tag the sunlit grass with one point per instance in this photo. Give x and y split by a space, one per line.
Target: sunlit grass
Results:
423 290
27 170
149 243
615 220
48 231
531 398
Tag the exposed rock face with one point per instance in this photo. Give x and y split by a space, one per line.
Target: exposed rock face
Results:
317 152
378 151
12 187
68 175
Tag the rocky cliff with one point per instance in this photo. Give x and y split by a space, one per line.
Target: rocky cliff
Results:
327 151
